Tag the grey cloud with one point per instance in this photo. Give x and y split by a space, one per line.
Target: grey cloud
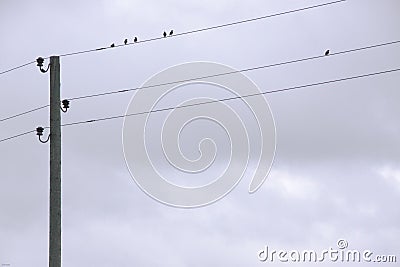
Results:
332 140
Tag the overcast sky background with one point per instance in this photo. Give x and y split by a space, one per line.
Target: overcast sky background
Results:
337 167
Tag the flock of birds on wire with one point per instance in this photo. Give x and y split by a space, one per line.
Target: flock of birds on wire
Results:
171 33
136 39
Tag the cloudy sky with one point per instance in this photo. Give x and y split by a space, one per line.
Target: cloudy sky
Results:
336 172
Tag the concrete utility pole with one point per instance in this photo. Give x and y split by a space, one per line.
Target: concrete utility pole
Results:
55 165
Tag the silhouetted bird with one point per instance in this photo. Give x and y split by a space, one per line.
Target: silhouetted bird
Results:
125 41
165 34
135 39
327 52
112 45
171 32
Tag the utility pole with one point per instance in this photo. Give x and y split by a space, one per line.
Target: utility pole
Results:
55 165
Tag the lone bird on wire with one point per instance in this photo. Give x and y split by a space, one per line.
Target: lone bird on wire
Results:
165 34
327 52
112 45
171 32
135 39
125 41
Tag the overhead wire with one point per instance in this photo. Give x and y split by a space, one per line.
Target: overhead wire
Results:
236 97
232 72
23 113
17 67
213 101
182 33
16 136
208 76
206 28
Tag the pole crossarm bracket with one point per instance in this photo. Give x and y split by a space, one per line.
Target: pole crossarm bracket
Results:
40 62
39 132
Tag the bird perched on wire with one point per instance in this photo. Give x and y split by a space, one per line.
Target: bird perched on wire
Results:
165 34
135 39
327 52
112 45
171 32
125 41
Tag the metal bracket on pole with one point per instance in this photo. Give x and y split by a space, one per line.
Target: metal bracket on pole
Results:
39 132
39 62
65 105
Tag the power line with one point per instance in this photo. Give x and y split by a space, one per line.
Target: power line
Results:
235 97
233 72
214 101
210 76
15 136
23 113
184 33
207 28
18 67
